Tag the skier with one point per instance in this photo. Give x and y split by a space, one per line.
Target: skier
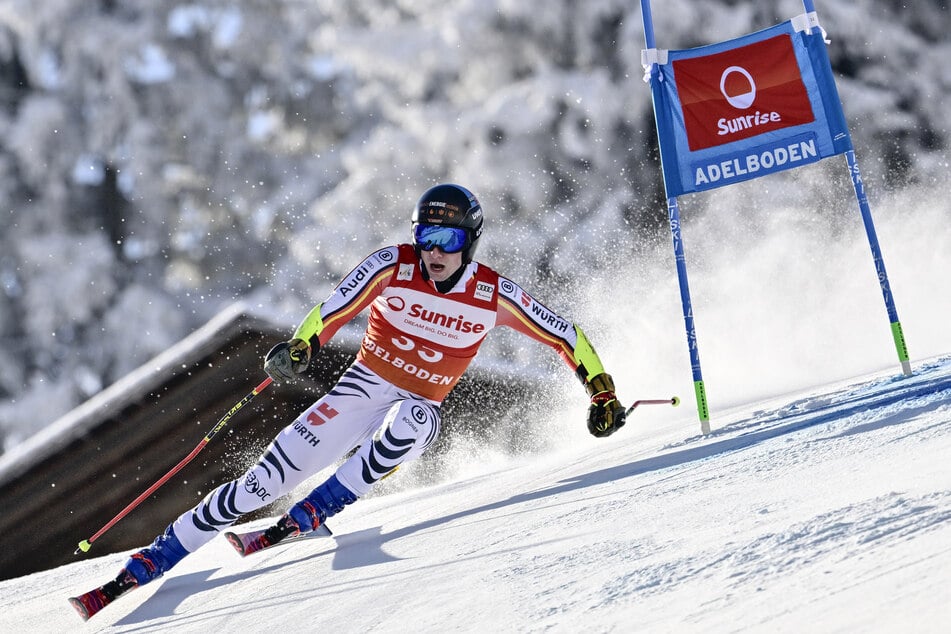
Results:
431 306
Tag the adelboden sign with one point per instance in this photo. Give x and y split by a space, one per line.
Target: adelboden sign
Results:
736 110
739 96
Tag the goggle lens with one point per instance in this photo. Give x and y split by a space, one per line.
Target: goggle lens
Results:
448 239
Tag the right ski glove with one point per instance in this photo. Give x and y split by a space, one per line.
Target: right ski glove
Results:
287 360
605 414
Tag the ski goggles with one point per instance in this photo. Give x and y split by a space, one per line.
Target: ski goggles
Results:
448 239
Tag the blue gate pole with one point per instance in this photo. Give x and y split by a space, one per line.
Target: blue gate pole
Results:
703 411
897 335
673 214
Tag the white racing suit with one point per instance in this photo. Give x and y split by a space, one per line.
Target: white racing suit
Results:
359 405
417 344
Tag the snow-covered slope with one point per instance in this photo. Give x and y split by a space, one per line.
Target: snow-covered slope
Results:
824 511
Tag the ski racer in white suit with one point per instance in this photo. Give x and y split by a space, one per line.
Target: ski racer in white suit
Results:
431 306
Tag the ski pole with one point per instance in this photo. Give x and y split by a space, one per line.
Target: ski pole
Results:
673 400
87 543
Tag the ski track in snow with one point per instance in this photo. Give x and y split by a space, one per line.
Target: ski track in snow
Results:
826 511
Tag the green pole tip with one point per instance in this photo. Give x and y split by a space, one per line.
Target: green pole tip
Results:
675 401
84 546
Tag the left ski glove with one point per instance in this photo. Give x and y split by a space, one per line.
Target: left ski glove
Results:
287 360
605 414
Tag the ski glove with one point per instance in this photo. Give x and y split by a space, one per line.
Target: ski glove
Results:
287 359
605 414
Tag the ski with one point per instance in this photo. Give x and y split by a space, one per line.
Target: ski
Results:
89 603
249 542
246 543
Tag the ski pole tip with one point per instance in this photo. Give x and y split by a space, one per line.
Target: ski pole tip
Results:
84 547
675 401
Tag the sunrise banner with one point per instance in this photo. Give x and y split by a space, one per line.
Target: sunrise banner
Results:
744 108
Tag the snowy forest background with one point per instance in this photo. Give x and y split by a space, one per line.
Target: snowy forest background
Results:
159 161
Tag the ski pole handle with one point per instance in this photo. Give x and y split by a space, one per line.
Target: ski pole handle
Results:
86 544
673 400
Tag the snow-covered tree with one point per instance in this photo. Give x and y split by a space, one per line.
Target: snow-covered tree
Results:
160 160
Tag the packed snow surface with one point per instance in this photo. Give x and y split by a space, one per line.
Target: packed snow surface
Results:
824 511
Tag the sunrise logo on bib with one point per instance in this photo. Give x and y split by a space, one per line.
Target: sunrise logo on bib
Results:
448 323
